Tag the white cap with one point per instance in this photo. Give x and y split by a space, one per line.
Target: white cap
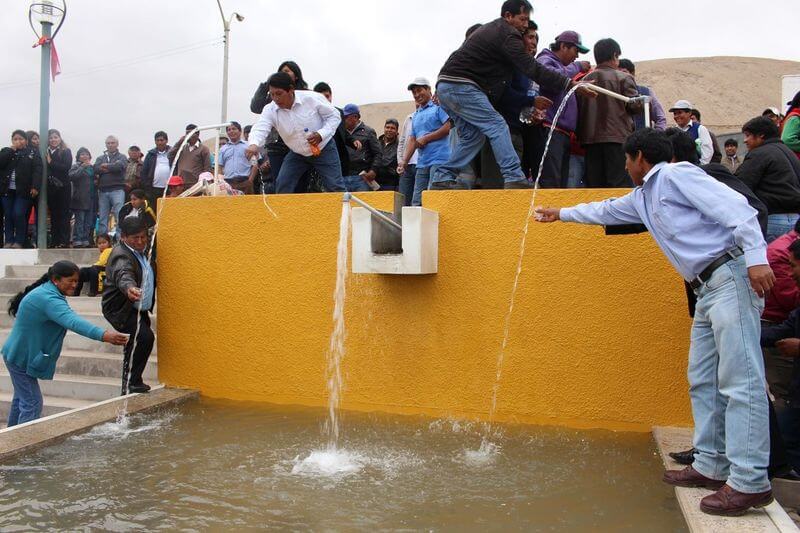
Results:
681 104
419 82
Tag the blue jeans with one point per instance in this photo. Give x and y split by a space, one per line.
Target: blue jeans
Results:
780 224
84 221
327 165
727 385
26 404
475 119
407 180
110 203
576 170
356 184
16 208
422 182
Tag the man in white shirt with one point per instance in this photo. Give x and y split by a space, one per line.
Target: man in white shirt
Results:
306 122
682 113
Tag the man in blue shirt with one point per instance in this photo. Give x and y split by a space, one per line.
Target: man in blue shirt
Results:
430 128
711 236
239 172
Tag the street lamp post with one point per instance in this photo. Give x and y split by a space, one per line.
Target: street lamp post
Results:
48 13
226 24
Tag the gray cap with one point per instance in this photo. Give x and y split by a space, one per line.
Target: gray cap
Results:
681 105
419 82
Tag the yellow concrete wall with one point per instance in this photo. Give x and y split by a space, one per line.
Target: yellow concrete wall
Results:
599 334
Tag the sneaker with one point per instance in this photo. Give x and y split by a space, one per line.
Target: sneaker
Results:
8 246
16 246
518 184
449 185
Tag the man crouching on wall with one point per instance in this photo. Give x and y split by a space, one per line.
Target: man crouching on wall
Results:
128 298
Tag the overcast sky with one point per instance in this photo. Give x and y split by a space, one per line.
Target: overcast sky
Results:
131 67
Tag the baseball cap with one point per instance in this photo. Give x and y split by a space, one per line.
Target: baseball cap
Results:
351 109
419 82
175 180
572 37
773 110
681 105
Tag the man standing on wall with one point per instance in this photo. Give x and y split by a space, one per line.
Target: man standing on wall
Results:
306 122
712 237
682 114
128 297
473 78
156 169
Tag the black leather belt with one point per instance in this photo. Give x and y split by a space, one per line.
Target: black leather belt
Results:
705 275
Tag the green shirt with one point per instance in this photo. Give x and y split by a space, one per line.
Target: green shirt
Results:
791 134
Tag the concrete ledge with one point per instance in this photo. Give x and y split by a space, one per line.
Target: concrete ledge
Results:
770 519
51 429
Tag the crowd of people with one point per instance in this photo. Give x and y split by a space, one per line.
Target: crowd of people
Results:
729 225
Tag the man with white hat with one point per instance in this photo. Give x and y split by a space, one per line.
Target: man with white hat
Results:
682 113
774 115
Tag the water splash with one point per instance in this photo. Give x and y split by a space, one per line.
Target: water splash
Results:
336 349
327 463
485 443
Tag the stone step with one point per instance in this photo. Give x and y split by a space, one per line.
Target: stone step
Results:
15 285
79 304
52 405
75 342
95 364
94 317
76 387
26 271
80 256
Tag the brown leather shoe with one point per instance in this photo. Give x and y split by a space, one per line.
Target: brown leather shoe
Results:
730 502
689 477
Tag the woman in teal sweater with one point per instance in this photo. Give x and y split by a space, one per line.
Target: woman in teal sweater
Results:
32 349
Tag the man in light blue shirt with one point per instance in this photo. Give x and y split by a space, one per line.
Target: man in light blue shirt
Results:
239 172
711 236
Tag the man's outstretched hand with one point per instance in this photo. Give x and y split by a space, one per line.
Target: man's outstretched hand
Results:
547 214
761 278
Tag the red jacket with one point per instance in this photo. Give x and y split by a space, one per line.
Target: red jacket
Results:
785 295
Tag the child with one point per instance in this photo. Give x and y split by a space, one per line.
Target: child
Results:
95 273
175 187
138 208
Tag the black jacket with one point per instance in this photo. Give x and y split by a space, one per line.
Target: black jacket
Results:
772 172
149 166
58 169
28 165
364 158
491 55
723 175
122 272
789 329
146 213
385 164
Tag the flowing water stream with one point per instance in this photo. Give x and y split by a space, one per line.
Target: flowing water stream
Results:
487 448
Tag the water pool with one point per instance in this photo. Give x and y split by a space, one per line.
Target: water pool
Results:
209 465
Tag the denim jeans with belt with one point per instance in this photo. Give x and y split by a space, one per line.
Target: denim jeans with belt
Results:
476 120
26 405
726 381
780 224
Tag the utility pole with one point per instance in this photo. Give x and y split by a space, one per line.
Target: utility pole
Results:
226 25
44 126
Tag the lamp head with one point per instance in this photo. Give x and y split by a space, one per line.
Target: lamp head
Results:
239 17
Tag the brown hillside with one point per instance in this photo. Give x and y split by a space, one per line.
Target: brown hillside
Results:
727 90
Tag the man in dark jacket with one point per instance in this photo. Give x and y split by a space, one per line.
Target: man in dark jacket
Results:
475 75
341 138
156 170
128 298
363 151
772 172
385 164
25 164
109 170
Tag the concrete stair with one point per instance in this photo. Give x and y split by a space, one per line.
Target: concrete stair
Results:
88 371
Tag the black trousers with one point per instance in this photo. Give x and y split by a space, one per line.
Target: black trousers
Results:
58 199
605 166
90 275
136 357
153 194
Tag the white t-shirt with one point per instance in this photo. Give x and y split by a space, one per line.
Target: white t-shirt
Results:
161 175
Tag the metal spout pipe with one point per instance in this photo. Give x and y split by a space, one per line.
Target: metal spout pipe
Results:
381 216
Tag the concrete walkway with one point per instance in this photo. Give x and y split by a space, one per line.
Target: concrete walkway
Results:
771 519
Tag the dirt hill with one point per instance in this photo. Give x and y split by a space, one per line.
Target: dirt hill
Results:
727 90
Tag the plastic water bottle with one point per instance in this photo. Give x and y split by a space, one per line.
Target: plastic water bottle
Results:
525 116
315 151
